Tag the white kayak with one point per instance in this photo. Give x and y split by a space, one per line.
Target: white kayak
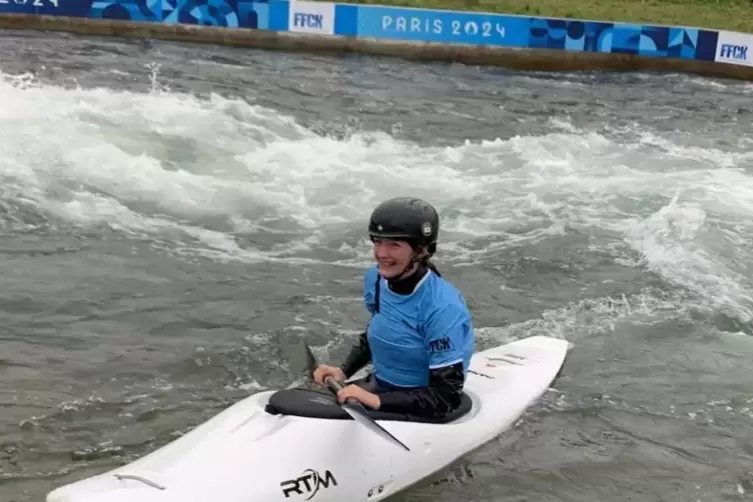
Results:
250 452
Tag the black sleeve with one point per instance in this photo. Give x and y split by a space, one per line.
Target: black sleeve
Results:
439 398
359 356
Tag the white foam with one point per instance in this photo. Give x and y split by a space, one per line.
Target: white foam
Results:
671 244
195 174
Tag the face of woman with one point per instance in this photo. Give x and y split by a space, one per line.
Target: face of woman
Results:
392 256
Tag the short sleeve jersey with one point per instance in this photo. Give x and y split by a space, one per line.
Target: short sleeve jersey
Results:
412 334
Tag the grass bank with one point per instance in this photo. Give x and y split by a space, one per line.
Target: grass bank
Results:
734 15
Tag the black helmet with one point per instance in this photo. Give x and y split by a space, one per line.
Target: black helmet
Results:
406 218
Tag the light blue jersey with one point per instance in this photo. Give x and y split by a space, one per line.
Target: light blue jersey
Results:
411 334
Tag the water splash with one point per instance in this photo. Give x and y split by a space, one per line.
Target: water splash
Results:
209 176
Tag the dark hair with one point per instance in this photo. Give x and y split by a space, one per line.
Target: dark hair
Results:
432 267
426 259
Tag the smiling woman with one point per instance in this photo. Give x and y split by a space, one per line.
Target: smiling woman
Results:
420 337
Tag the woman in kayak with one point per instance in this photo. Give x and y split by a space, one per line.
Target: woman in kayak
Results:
420 337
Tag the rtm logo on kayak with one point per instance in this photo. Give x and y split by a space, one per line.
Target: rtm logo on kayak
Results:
307 483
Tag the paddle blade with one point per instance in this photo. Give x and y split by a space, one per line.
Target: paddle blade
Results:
360 415
310 359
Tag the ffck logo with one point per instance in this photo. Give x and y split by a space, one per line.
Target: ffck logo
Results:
306 20
732 51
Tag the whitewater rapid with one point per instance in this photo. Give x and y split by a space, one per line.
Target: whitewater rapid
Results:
173 218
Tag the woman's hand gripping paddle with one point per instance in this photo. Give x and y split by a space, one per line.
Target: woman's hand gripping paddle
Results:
352 406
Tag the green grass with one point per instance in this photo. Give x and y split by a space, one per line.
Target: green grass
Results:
734 15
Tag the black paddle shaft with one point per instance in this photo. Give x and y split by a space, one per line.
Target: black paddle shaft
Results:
333 384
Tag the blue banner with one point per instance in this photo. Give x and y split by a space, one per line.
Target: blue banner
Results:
46 7
622 38
255 14
425 25
398 23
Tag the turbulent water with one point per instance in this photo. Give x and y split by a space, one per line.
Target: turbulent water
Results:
175 218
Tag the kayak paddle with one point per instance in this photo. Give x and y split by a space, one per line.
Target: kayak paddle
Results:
352 406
